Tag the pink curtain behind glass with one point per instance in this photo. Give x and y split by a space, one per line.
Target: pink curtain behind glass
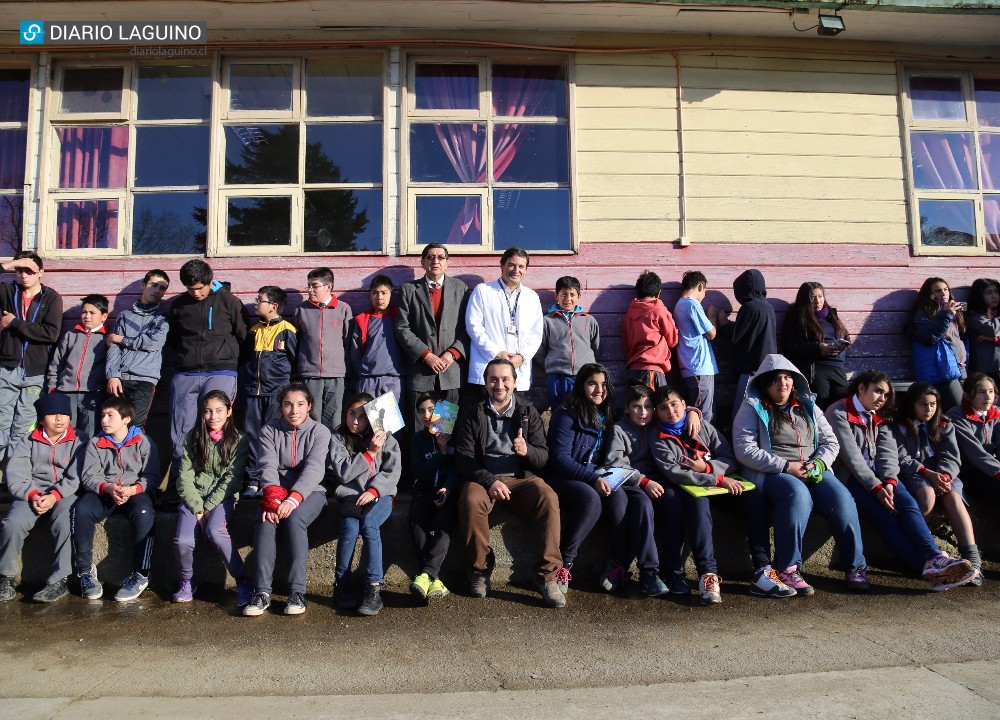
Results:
943 160
466 149
93 157
87 224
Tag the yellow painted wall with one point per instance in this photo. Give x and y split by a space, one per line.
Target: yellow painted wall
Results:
780 147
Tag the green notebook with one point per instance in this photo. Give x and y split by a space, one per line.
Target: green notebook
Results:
699 491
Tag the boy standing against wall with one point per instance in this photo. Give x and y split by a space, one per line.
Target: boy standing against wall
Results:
648 333
696 330
77 366
323 323
570 340
30 321
374 355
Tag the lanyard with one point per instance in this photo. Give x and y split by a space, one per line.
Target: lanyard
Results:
511 310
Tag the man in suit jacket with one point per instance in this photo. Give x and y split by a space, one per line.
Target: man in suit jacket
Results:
430 327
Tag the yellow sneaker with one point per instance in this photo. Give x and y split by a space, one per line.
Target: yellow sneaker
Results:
438 590
421 585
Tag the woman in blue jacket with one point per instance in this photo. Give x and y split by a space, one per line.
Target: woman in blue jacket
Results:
936 329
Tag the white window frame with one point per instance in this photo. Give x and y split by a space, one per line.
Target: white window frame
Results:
966 77
411 190
24 191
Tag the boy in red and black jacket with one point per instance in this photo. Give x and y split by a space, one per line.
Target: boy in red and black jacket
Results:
30 321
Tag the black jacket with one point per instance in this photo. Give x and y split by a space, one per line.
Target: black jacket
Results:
30 338
755 328
801 349
206 335
470 438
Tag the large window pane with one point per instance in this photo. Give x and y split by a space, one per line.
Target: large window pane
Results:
92 90
532 219
937 98
529 91
260 87
344 152
344 87
87 224
169 223
93 157
13 146
171 156
14 87
262 154
991 215
455 219
11 224
942 161
259 221
989 150
167 93
988 102
343 220
947 223
446 86
448 152
530 153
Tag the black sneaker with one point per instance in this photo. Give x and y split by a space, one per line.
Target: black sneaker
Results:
53 591
371 603
7 591
296 604
259 603
343 598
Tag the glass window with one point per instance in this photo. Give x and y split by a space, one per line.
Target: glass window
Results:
262 154
93 156
989 151
350 87
344 152
11 224
532 219
452 219
92 90
174 93
260 87
446 86
87 224
14 89
937 98
942 160
13 149
343 220
171 155
259 221
529 91
524 153
521 166
988 102
169 223
448 152
991 212
947 223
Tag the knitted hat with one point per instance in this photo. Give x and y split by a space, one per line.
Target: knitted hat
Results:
52 404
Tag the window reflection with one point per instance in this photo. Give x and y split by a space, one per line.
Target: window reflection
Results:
92 90
171 156
942 161
526 152
343 220
344 152
344 87
448 152
166 92
259 221
936 98
529 91
169 223
991 214
260 87
532 219
11 224
442 86
91 224
14 87
262 154
453 219
13 147
947 223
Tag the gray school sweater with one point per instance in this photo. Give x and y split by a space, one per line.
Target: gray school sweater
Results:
323 332
294 458
362 471
39 466
569 341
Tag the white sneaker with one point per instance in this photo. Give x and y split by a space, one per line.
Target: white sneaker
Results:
132 587
710 586
767 583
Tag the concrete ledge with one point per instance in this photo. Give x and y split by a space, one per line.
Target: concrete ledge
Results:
513 542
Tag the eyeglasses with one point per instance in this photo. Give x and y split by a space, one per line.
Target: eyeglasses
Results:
317 286
259 301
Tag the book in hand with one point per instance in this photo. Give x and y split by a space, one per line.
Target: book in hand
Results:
384 415
699 491
615 477
443 418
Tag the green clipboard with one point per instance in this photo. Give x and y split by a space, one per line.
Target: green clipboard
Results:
699 491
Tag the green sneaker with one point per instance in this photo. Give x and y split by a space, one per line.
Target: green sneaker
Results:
421 585
438 590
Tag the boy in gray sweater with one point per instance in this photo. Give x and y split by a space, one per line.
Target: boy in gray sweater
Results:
77 365
570 340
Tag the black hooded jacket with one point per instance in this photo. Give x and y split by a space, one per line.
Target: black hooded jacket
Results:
755 329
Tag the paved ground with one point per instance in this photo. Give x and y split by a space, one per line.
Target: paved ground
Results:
925 654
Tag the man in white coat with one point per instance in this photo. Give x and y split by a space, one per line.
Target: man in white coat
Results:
504 320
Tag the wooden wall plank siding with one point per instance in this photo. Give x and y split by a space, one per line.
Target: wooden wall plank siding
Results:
780 148
872 285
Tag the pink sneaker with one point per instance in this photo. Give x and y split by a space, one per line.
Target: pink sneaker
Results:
793 579
562 579
944 572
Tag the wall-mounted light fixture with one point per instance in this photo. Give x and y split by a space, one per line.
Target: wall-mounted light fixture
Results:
830 25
